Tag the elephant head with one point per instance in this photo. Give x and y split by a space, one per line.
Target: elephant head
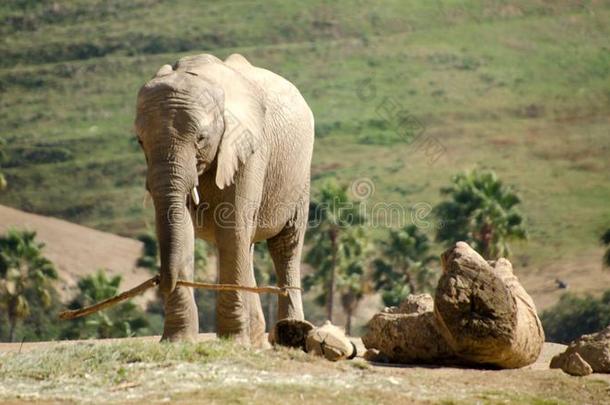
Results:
179 124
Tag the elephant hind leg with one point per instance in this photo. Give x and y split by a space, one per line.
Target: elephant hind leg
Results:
285 250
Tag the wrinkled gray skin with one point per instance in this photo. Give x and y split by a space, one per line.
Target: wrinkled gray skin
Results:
243 136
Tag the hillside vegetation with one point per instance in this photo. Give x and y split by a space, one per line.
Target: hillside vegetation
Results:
520 88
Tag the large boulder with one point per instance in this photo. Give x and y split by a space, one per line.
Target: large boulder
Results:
484 313
481 315
593 350
408 334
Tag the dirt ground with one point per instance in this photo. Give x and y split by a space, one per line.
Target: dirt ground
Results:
240 375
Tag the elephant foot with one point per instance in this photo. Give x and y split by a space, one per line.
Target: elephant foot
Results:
290 333
243 340
258 337
247 340
179 336
186 332
245 325
181 319
260 341
257 340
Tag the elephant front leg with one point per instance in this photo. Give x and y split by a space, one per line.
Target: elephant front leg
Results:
181 319
238 314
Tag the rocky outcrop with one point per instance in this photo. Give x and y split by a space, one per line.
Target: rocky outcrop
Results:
480 315
593 350
484 313
407 334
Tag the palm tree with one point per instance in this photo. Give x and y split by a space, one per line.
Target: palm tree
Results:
330 215
123 320
23 269
404 267
2 156
205 299
605 240
202 252
353 263
481 211
150 252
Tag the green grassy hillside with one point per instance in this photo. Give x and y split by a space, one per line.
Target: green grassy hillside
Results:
521 88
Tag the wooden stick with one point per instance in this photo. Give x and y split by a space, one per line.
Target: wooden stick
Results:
77 313
152 282
232 287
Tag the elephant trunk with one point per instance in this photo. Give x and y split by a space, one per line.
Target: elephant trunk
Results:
176 245
176 239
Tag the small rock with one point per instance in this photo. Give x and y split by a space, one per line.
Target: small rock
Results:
330 341
594 349
575 365
376 356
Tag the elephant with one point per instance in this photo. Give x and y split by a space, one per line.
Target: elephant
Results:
228 149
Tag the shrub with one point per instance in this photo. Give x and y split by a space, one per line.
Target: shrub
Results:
574 316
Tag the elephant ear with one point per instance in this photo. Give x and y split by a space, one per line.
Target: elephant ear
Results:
243 133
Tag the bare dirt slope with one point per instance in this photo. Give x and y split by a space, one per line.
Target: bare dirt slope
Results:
77 251
583 273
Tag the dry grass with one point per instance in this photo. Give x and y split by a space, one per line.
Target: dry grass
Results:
219 371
